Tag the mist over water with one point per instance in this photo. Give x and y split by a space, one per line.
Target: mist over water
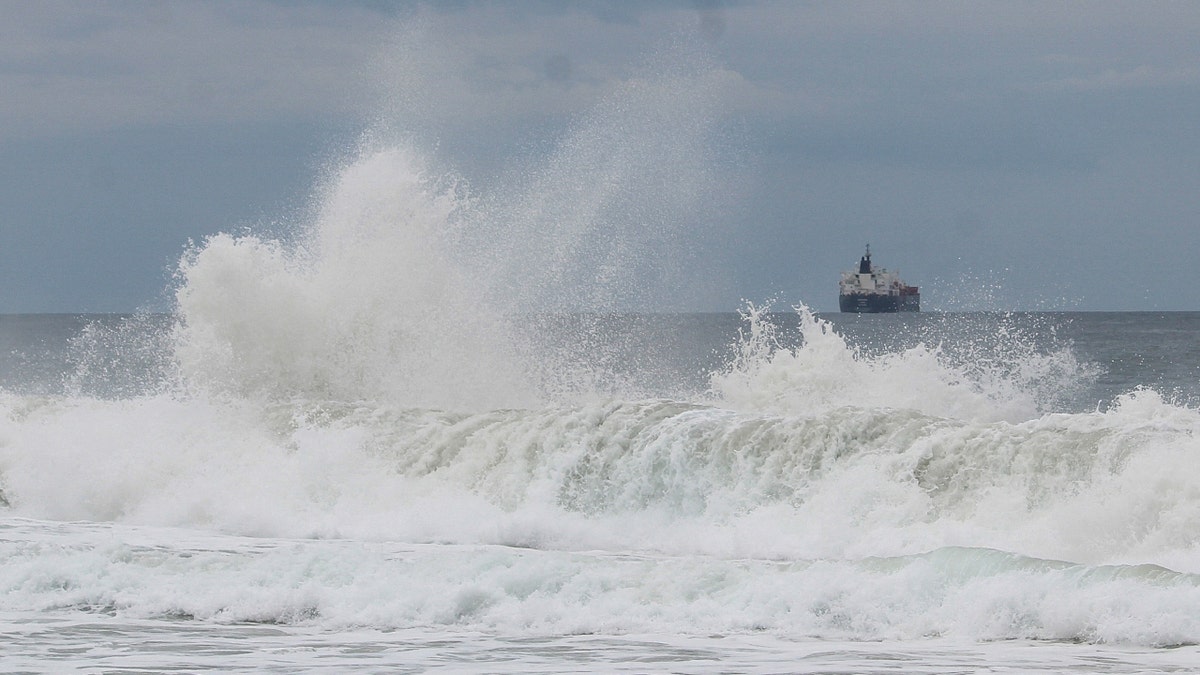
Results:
415 288
428 406
368 305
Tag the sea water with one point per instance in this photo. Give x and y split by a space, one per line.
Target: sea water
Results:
421 429
905 493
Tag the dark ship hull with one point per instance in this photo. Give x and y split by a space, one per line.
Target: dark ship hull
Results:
877 303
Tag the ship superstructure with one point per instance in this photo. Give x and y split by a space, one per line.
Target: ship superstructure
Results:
871 289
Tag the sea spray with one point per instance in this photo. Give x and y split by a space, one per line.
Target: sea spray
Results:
604 222
369 306
410 287
817 450
1001 375
824 373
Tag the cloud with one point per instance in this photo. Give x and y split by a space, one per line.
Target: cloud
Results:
79 68
1115 80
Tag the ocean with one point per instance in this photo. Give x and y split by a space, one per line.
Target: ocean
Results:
416 425
753 492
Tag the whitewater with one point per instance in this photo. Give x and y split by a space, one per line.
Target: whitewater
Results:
422 430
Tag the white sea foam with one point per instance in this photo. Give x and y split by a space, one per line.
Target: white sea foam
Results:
960 593
663 476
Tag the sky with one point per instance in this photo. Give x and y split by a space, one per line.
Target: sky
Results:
1015 155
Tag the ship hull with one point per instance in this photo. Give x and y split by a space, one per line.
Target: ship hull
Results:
878 303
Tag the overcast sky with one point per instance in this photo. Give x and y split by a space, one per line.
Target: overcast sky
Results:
1002 155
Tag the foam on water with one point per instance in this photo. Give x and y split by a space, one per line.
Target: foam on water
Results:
962 593
664 476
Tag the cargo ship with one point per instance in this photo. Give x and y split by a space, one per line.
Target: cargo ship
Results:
873 289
